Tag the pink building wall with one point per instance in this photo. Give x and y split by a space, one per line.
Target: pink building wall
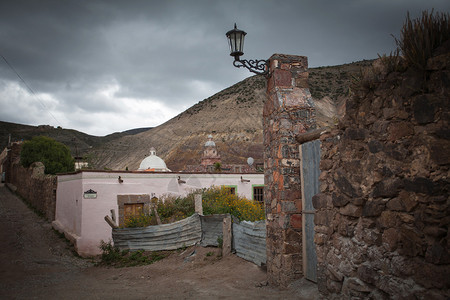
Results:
82 220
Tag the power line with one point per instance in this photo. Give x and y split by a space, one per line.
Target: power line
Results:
74 138
30 89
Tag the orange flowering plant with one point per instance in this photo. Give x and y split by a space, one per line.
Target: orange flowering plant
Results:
215 200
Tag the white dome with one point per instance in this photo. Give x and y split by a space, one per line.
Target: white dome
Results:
210 142
153 163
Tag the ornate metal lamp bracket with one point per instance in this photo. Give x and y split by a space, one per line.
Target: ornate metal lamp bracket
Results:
257 66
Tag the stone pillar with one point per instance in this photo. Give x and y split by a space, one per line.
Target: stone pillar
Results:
288 111
198 204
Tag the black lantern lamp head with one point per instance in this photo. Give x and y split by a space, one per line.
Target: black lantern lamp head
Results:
236 43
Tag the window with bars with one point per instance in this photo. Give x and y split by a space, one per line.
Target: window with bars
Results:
258 193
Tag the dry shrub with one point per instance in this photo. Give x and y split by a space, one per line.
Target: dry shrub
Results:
367 80
420 37
391 63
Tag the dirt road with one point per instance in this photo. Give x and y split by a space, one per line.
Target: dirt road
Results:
36 263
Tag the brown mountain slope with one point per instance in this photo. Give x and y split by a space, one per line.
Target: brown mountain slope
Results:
234 118
78 142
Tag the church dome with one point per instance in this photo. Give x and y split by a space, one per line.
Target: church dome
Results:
153 163
210 142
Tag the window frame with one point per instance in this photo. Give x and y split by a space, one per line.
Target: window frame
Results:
231 187
253 192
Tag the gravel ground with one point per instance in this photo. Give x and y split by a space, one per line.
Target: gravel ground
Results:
36 263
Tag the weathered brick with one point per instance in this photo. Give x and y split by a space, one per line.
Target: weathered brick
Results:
282 78
288 206
296 221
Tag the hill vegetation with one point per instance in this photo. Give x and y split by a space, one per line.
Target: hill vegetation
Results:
78 142
54 155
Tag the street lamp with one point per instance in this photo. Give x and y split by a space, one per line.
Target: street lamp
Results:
236 43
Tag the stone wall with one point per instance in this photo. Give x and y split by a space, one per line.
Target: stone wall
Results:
37 188
383 212
288 112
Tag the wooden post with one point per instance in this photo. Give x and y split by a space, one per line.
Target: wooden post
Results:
158 219
226 237
110 222
113 215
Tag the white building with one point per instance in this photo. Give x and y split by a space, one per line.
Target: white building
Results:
84 198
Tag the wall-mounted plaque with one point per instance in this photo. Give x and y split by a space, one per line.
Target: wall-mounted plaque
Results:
90 194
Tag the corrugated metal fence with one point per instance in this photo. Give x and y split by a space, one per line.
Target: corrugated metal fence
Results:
212 229
249 238
186 232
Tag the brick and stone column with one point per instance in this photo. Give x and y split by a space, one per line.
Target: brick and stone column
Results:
288 111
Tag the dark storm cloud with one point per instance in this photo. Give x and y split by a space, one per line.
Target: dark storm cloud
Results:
137 63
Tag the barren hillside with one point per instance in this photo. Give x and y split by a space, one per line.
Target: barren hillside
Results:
234 118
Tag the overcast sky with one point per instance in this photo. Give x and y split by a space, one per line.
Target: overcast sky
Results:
106 66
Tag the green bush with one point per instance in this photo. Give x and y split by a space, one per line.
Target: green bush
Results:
112 256
172 208
218 167
110 253
55 156
219 201
142 220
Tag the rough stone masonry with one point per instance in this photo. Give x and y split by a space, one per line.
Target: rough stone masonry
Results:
384 210
288 112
